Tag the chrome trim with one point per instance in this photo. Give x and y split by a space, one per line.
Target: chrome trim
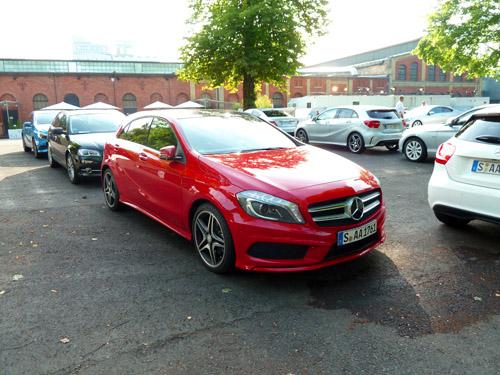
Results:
331 217
335 206
370 197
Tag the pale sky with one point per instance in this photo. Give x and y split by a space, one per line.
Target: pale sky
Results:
45 29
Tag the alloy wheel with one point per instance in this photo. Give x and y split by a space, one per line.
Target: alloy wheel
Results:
209 239
413 150
70 166
302 136
35 149
355 143
110 192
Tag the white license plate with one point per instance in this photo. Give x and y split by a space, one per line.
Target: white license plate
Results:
352 235
481 166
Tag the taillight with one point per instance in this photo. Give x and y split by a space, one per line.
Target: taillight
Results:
404 124
445 152
374 124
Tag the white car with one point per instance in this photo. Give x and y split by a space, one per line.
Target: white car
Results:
465 184
277 117
429 114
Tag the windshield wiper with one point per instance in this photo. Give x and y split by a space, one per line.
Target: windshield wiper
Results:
263 149
489 139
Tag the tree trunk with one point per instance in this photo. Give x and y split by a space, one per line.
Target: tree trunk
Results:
248 91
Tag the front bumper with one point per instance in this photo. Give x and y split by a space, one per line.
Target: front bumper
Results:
41 144
317 243
89 167
456 198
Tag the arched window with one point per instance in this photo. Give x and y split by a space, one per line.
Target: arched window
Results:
156 97
72 99
442 75
402 72
40 101
7 98
129 104
101 98
277 100
181 98
431 73
414 71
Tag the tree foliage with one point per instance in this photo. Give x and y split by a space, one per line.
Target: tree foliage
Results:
249 41
263 101
464 37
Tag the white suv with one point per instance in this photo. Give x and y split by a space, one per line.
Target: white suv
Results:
465 184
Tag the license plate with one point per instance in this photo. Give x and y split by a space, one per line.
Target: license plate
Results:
352 235
488 167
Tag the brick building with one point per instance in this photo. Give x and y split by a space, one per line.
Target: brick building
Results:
27 85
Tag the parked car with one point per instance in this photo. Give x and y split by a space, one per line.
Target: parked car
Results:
277 117
248 195
34 132
76 140
357 127
429 114
465 183
421 142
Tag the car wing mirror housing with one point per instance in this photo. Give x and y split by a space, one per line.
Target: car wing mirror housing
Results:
57 131
168 153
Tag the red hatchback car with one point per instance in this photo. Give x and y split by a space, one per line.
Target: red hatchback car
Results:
248 195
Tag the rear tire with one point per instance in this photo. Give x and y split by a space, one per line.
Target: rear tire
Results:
26 148
355 143
415 150
111 193
302 136
52 162
451 220
212 239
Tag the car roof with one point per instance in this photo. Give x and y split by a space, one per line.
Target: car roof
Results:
76 112
488 111
181 114
362 107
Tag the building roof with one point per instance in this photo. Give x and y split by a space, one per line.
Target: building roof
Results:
88 67
376 54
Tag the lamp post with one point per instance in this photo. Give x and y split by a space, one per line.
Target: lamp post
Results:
113 80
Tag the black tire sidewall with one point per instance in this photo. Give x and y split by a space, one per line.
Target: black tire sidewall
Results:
76 178
362 146
117 206
228 262
306 140
424 149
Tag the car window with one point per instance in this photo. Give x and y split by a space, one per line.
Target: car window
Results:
107 122
63 123
487 130
346 113
274 113
137 131
327 115
161 134
383 114
446 109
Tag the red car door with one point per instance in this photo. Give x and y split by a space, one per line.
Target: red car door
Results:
130 161
162 182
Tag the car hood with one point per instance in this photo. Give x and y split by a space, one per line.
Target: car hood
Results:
94 141
287 169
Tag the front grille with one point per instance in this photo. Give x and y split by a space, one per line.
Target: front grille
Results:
336 212
269 250
337 251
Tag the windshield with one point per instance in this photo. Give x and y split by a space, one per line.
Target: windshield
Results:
95 123
231 133
274 113
45 118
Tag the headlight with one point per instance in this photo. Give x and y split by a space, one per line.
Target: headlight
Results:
85 152
269 207
42 135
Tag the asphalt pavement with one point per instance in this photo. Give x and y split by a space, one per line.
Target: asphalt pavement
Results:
84 290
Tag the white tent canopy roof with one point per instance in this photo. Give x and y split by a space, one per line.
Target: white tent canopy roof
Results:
60 106
189 104
158 105
100 105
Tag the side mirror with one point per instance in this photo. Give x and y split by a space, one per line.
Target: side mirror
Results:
57 131
27 124
168 153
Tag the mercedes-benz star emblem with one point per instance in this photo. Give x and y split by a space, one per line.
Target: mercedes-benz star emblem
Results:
356 208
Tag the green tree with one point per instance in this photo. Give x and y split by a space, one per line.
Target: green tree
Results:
464 37
263 101
249 41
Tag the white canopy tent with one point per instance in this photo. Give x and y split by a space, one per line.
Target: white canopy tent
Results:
100 105
158 105
62 106
189 104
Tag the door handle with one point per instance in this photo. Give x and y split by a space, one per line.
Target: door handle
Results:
143 156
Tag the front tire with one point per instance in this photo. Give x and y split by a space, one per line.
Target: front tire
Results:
451 220
26 148
356 143
111 193
212 239
302 136
36 154
415 150
73 176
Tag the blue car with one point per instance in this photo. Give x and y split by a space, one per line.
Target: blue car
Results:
34 132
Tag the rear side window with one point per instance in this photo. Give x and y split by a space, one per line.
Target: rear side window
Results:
482 130
383 114
346 113
275 113
137 131
327 115
161 134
